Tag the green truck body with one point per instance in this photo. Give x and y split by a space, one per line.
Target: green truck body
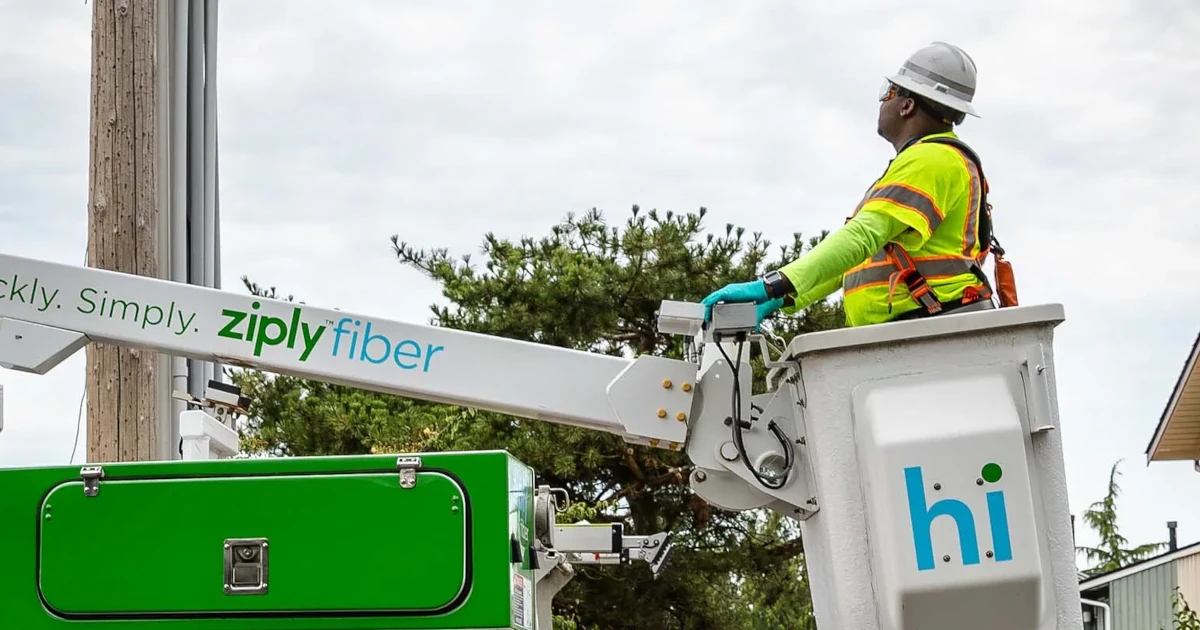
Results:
329 543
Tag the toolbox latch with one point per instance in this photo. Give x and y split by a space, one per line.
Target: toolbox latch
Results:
408 471
91 479
246 566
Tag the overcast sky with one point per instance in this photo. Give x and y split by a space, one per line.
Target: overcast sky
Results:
442 120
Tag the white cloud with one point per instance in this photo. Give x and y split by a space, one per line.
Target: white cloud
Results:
440 121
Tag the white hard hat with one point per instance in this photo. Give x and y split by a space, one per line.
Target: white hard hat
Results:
942 73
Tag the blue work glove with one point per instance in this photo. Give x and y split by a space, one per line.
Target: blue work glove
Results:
767 309
755 291
740 292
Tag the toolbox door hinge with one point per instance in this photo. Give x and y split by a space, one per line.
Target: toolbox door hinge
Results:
408 471
91 479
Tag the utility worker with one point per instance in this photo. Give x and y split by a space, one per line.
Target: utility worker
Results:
916 243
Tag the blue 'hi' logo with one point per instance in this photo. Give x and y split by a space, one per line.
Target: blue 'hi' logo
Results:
922 516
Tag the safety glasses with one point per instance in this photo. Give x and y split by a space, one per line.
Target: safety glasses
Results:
888 91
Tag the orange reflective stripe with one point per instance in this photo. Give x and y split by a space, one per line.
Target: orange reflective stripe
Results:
911 198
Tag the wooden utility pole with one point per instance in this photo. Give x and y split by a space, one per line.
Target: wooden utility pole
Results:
122 219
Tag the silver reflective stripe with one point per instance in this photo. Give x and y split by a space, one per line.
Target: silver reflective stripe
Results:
973 209
867 275
878 274
909 198
964 92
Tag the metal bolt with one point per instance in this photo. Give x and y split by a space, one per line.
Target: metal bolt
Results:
979 481
682 417
802 441
662 413
937 486
666 383
687 387
945 558
990 554
701 476
454 508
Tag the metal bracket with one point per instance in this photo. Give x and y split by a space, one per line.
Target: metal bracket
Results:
1036 364
655 549
585 543
765 451
545 510
91 479
408 471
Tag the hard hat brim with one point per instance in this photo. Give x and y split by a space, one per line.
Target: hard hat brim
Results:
936 96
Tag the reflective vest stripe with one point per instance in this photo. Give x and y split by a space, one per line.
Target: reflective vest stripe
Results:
971 225
911 198
880 273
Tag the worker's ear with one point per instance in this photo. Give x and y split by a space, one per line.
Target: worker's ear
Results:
908 108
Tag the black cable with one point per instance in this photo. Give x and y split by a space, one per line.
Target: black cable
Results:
739 424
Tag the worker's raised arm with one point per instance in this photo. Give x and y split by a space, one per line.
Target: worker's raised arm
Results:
819 273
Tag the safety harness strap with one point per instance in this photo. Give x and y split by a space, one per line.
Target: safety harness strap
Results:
907 273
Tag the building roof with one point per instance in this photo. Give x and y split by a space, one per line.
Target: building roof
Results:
1177 436
1137 567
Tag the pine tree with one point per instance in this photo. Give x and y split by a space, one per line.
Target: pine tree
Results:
588 286
1111 552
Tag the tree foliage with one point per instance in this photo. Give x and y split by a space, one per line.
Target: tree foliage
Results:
1111 552
592 286
1184 617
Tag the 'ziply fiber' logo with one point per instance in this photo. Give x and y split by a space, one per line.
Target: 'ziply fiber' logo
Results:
270 331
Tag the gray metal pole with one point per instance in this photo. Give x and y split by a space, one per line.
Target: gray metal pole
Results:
195 158
211 253
179 179
164 134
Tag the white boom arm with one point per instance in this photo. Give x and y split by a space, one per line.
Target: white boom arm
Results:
60 308
943 500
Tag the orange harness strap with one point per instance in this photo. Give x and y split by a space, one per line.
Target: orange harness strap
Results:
907 273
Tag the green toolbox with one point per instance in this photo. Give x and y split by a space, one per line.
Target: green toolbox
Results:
434 540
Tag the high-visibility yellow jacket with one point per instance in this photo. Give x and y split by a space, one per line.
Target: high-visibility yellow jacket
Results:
928 203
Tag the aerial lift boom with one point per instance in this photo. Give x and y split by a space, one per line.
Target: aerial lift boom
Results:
846 439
